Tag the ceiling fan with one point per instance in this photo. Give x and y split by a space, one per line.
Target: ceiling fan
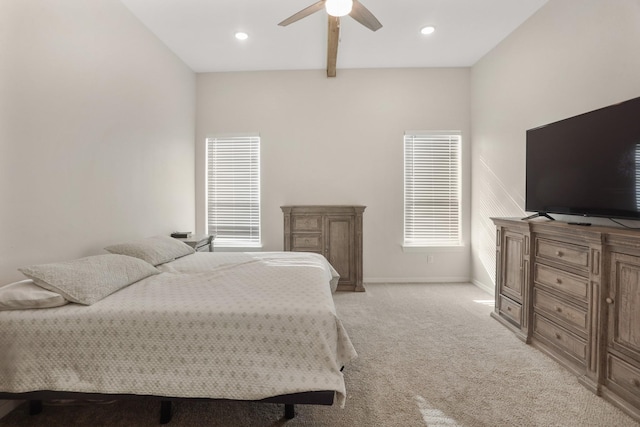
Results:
336 9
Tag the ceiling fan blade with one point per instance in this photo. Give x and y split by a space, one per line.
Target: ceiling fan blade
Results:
332 45
303 13
363 16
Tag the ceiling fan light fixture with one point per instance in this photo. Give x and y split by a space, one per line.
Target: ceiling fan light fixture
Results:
338 7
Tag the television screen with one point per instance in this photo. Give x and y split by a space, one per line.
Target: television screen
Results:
587 165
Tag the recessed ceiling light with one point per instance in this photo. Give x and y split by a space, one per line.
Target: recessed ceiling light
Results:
427 30
242 36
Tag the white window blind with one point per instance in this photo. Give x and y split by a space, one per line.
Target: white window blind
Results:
233 190
432 189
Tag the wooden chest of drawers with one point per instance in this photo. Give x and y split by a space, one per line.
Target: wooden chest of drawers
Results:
577 299
332 231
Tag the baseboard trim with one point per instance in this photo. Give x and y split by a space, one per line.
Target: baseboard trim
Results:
484 287
490 289
416 280
7 406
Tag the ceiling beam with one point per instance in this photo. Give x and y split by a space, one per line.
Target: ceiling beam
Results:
332 45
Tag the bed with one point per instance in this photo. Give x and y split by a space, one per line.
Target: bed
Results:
239 326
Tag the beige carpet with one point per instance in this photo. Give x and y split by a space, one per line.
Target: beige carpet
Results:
429 355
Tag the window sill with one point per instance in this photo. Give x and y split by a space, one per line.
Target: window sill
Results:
435 248
246 248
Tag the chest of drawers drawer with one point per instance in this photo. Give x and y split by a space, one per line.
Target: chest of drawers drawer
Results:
306 242
572 317
572 345
302 223
570 284
563 253
624 376
511 310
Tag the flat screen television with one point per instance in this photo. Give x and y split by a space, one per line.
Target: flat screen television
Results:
587 165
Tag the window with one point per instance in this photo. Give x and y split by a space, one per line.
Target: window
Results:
233 190
432 189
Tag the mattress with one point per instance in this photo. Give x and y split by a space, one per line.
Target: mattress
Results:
242 326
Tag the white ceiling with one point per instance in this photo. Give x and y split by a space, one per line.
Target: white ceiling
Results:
201 32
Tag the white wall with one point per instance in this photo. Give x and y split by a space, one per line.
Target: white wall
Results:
569 58
339 141
97 122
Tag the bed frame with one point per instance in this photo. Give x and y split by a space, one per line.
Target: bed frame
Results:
35 399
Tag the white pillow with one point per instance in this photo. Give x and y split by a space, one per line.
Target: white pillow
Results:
88 280
25 294
155 250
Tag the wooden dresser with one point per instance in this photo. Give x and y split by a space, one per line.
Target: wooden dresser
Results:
574 292
333 231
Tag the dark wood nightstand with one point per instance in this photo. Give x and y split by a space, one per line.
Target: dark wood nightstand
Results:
199 242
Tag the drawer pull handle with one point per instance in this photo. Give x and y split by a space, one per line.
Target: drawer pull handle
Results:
558 281
609 301
508 308
636 383
559 309
558 336
559 253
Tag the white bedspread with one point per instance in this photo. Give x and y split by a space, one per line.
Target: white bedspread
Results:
217 325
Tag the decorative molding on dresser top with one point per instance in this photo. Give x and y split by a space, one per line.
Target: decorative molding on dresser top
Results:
574 292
